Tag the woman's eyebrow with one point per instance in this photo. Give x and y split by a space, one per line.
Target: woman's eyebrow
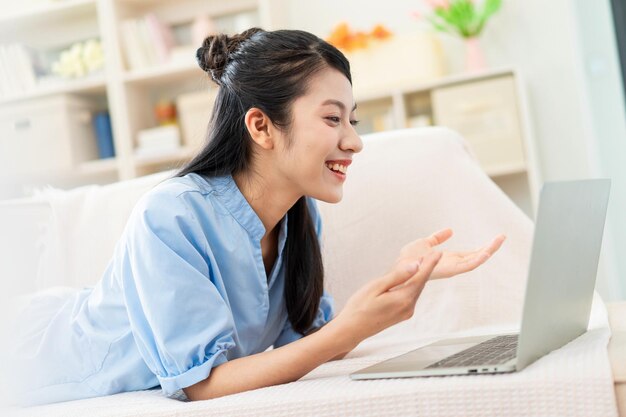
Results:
338 104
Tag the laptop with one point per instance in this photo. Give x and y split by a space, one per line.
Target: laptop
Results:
559 292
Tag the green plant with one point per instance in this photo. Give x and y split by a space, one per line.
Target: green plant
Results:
465 18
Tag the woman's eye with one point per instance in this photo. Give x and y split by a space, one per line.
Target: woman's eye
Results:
337 120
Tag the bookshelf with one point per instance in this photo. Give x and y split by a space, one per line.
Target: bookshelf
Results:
98 166
130 91
45 28
88 86
44 11
488 109
166 73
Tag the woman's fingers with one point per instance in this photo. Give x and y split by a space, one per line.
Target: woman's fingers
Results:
426 268
424 243
481 255
439 237
455 263
495 244
428 264
487 250
401 272
468 261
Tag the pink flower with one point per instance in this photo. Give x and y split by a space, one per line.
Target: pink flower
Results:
438 4
416 15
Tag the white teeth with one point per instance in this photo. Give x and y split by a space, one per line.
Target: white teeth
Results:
337 167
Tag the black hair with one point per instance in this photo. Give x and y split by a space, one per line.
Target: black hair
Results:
267 70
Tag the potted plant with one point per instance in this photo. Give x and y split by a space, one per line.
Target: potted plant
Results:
464 18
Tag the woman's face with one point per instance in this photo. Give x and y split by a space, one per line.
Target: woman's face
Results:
318 149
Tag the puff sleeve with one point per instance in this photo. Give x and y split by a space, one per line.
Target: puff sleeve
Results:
180 321
325 312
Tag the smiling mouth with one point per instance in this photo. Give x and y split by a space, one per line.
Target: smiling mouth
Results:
337 168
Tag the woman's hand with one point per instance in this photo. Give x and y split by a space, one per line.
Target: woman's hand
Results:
377 305
388 300
451 263
385 301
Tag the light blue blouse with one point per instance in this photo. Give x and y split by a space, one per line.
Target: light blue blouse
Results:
185 291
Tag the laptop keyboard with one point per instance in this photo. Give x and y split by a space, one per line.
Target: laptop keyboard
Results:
494 351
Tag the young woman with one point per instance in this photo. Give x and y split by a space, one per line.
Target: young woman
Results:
223 261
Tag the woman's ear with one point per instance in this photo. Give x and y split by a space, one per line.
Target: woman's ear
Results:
260 128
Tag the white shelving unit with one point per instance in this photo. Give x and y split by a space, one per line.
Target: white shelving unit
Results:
90 85
136 91
488 109
128 95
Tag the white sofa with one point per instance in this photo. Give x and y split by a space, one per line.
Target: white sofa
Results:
405 184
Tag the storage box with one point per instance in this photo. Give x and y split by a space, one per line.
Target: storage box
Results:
157 140
485 113
194 112
49 134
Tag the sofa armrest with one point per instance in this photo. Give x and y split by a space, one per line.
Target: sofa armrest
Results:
22 223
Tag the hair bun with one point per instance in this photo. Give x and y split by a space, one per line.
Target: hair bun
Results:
216 50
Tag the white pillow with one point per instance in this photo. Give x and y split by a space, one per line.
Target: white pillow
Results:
408 184
84 226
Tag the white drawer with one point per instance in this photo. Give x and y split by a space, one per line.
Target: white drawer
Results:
485 113
46 135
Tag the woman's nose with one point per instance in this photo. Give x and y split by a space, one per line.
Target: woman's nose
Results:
352 142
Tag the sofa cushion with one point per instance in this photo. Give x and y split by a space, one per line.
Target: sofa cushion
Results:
84 226
406 185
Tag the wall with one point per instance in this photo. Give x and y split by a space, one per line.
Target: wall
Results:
548 42
601 84
566 49
533 35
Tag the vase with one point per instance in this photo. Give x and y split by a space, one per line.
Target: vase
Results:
474 56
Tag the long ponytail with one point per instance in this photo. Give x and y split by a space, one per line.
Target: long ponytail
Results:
269 71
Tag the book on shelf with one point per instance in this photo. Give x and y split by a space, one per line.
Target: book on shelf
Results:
146 42
160 140
104 134
133 50
17 74
162 36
